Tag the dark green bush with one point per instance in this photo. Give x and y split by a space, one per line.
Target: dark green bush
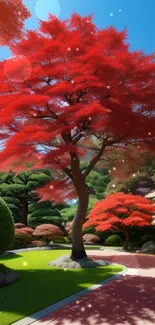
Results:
45 212
88 230
7 230
39 220
114 240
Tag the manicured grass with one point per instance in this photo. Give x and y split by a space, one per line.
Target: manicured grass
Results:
42 285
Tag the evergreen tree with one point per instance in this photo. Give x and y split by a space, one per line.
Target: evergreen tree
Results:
45 213
17 191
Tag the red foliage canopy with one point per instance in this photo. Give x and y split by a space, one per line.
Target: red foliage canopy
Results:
119 211
12 16
85 93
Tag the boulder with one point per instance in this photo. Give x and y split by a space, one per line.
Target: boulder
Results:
66 262
148 247
7 276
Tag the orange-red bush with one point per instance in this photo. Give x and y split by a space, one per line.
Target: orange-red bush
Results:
48 232
119 212
91 238
19 225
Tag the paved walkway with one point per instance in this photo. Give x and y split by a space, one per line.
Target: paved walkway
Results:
127 300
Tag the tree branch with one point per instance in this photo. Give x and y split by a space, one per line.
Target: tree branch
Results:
113 141
77 138
68 173
95 160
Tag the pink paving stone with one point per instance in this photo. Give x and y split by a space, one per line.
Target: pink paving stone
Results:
128 300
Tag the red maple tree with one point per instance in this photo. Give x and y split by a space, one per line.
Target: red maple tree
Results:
12 16
120 212
86 93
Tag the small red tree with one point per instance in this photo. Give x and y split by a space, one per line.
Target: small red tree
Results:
120 212
86 93
12 16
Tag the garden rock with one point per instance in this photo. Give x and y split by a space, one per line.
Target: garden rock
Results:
66 262
8 278
148 248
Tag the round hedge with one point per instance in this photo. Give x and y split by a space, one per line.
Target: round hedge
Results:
114 240
48 232
7 230
91 238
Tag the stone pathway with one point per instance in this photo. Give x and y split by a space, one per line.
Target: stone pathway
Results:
127 300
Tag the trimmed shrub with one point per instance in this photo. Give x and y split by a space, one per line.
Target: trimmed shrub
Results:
26 235
48 232
38 243
28 230
69 213
37 221
19 225
59 240
90 238
68 228
23 237
7 229
114 240
88 230
45 212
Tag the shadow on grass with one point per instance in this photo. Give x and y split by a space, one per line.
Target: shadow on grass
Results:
126 300
39 288
9 256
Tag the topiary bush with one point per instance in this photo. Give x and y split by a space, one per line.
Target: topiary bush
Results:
39 220
88 230
91 238
7 229
68 228
47 232
114 240
38 243
19 225
59 240
23 237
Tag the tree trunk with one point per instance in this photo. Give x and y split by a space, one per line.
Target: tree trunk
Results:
127 239
24 212
78 250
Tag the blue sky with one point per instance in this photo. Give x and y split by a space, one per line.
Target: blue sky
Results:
138 16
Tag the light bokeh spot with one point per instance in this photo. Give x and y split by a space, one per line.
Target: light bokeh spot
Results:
25 263
44 8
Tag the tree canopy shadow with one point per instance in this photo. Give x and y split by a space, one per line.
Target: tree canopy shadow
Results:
39 288
126 301
9 256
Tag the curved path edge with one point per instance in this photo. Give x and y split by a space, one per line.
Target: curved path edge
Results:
66 301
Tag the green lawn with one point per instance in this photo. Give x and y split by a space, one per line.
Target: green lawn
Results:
41 285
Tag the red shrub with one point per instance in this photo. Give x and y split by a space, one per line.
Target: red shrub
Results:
48 232
90 238
28 230
22 237
68 228
19 225
38 243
